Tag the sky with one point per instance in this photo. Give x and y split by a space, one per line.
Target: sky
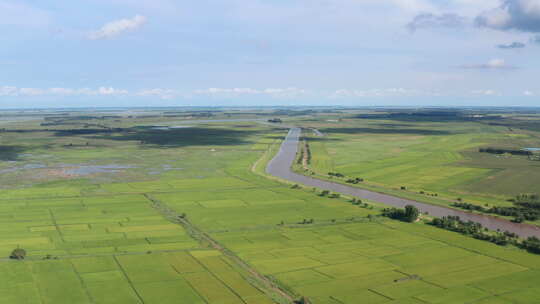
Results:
113 53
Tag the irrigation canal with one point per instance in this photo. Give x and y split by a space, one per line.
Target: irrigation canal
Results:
280 166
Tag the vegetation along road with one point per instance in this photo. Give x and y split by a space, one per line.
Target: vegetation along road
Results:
280 167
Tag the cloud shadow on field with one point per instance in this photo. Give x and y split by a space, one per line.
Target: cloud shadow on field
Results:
78 132
393 125
10 153
183 137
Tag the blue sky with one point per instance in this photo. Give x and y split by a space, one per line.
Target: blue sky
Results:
269 52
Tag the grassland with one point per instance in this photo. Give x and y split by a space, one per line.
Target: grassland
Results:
99 238
95 237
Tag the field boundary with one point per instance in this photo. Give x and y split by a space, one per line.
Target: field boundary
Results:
271 288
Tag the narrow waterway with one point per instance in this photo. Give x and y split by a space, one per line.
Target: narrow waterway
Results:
280 166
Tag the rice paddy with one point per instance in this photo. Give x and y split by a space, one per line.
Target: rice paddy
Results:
99 238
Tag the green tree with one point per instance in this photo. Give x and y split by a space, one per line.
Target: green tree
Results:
411 213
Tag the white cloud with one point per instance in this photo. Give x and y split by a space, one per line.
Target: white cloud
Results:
429 20
498 18
388 92
111 91
161 93
488 92
115 28
31 91
104 91
272 92
513 45
522 15
8 91
496 63
214 91
528 93
285 93
493 64
62 91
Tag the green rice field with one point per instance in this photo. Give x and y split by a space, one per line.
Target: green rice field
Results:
95 211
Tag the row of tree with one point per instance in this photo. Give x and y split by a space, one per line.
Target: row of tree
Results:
329 195
308 153
504 151
454 223
300 157
526 208
352 180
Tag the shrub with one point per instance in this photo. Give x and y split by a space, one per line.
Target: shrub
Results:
354 180
532 244
18 254
324 193
335 174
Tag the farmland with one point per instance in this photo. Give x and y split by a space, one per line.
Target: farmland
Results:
432 161
87 208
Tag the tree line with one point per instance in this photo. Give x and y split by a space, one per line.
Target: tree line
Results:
504 151
454 223
475 230
526 208
353 180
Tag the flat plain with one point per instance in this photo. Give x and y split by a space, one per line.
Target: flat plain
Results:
83 197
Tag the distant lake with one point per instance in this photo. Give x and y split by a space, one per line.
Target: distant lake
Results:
532 149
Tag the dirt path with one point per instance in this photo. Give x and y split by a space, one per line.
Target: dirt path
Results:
204 238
